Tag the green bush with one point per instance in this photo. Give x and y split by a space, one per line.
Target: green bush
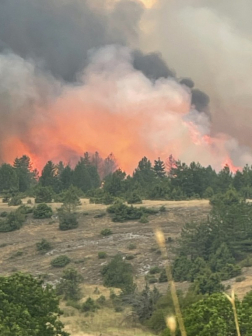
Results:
162 208
122 212
134 198
101 300
16 254
44 195
181 268
144 303
69 285
67 219
100 215
102 255
25 209
155 270
152 280
144 219
106 232
247 262
74 304
14 201
132 246
129 257
5 199
163 276
42 211
89 306
13 221
3 214
102 198
240 279
230 271
60 261
118 273
43 246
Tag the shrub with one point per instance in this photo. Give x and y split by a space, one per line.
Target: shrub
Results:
208 283
169 240
14 201
155 270
29 201
118 273
152 280
130 257
134 198
102 255
42 211
163 276
101 300
3 214
100 215
17 254
13 221
144 219
132 246
60 261
162 208
247 262
43 246
121 212
144 303
106 232
240 279
71 199
89 305
181 268
25 209
69 285
67 219
5 199
74 304
44 195
104 198
230 271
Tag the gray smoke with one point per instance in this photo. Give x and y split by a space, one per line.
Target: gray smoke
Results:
211 42
59 34
151 65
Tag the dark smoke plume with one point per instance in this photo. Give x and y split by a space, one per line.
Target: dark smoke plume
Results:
151 65
59 34
200 100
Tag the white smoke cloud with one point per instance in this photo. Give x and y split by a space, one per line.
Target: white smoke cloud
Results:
209 41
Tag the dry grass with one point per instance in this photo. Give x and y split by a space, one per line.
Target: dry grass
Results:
105 321
82 246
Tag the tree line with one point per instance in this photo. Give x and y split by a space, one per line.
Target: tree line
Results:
102 181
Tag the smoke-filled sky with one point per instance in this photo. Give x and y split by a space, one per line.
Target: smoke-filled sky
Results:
136 78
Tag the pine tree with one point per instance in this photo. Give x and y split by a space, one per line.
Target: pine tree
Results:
159 168
26 175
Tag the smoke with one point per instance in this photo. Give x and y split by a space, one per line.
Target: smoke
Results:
114 108
152 65
210 42
79 76
59 34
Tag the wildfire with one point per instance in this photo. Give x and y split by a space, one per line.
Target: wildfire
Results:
118 110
